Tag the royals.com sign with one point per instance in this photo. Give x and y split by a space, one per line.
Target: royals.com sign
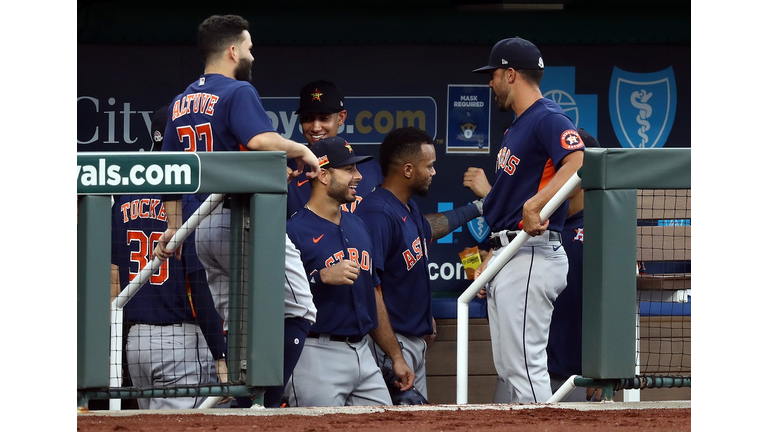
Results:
369 120
115 173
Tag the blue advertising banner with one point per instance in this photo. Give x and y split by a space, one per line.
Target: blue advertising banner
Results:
370 119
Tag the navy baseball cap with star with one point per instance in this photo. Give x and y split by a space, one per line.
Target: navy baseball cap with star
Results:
336 152
515 53
320 97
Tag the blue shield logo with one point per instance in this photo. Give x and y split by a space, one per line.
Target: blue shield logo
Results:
642 107
479 228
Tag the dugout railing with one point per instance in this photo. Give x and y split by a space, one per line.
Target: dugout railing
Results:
257 183
611 179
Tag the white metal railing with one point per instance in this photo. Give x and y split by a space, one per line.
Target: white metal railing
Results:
494 265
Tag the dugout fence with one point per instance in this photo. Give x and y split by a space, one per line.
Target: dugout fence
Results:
256 182
636 327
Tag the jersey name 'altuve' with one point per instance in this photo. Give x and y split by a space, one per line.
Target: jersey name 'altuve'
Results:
195 103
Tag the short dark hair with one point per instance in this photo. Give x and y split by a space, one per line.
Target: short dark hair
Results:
532 76
401 146
219 31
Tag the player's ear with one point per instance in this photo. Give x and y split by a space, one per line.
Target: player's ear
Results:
342 116
324 176
232 53
408 170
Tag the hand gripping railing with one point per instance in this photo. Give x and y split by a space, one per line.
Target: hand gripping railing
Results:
494 265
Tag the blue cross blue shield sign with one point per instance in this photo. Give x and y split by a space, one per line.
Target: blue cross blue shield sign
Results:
642 107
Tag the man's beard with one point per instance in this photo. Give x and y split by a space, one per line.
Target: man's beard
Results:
422 190
500 104
339 192
243 70
501 98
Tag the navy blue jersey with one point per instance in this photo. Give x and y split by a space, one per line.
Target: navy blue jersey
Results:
530 154
400 238
215 113
564 347
344 310
299 189
138 221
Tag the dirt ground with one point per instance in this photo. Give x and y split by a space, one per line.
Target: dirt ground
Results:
402 420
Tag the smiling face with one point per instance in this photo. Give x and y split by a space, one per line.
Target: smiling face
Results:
316 126
343 184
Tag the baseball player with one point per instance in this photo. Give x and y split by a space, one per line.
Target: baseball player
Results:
175 335
321 113
336 367
222 111
564 347
401 235
540 151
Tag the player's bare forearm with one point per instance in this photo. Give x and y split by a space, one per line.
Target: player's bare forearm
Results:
173 211
385 338
272 141
383 334
439 224
115 279
174 217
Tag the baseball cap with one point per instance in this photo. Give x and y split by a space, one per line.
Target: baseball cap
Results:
159 121
320 97
336 152
516 53
587 138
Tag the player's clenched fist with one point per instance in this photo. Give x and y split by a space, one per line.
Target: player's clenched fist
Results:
345 272
475 180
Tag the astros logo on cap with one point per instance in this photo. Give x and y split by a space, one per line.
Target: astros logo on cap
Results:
349 147
316 95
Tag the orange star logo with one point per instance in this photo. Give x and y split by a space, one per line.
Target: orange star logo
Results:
349 147
316 95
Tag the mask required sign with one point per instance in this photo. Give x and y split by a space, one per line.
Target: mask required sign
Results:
116 173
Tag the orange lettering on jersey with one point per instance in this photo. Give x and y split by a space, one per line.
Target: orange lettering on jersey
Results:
142 212
205 97
353 255
209 109
176 111
351 207
134 209
124 208
196 103
365 261
506 161
190 99
338 256
153 208
410 261
416 245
